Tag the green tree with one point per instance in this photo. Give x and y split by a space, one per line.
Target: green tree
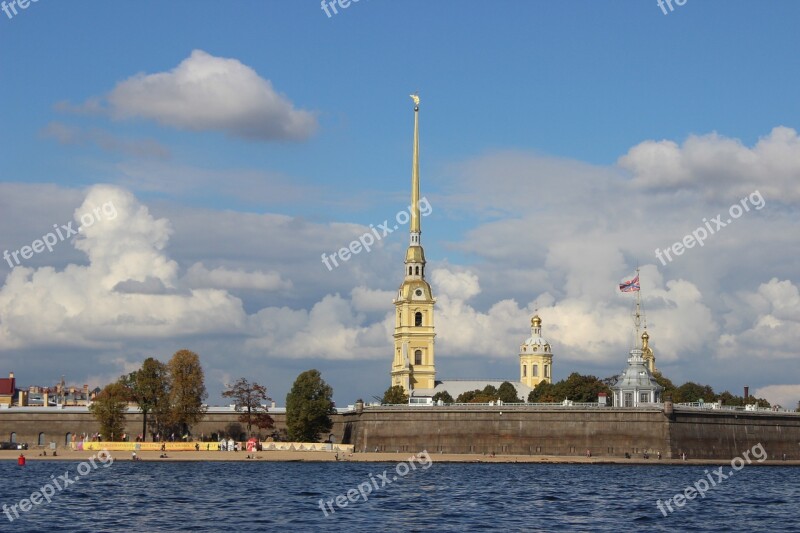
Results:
149 387
693 392
488 394
309 406
507 393
543 392
580 388
669 387
188 391
395 395
250 400
576 387
444 396
109 408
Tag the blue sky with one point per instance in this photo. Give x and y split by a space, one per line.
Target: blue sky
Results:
532 113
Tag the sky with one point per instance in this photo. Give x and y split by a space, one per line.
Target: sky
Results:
211 153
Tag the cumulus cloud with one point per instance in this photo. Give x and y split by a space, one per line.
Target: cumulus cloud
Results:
123 292
717 165
208 93
787 396
764 323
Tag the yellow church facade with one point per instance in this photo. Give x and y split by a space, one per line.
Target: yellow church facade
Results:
414 365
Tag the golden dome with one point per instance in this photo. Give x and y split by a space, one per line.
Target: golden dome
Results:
645 335
415 254
536 321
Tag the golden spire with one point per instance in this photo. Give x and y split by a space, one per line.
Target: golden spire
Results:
415 175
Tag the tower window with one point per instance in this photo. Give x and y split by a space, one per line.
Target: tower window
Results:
409 270
535 371
547 371
418 357
417 319
417 271
524 371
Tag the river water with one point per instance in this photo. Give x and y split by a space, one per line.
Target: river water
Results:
427 496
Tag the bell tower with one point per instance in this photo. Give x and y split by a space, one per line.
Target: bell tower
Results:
535 357
413 364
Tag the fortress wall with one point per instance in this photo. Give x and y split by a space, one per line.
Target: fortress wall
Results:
725 434
606 432
56 423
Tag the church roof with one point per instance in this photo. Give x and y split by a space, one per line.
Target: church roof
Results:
455 387
636 376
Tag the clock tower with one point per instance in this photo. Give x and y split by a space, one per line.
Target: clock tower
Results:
413 364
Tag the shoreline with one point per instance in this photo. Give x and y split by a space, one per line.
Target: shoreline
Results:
368 457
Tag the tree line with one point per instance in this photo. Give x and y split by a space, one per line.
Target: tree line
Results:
172 398
580 389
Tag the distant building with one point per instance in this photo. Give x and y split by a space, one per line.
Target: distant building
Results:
456 387
8 389
535 357
636 385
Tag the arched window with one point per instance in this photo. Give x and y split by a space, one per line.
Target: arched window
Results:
13 436
524 370
409 270
67 439
417 318
535 371
418 357
417 271
547 371
41 439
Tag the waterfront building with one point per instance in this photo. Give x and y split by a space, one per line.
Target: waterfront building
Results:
636 385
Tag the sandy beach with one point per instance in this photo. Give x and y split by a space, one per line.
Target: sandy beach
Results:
68 455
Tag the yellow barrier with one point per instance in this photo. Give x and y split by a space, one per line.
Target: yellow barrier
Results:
145 446
209 446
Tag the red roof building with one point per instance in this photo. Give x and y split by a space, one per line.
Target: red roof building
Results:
8 388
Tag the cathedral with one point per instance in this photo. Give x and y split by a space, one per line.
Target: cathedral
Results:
413 366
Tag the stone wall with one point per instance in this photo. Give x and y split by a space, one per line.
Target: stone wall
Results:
506 430
712 434
607 432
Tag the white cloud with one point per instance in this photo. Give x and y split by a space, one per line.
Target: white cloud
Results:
719 166
208 93
784 395
81 306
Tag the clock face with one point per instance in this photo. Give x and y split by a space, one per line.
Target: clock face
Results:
419 292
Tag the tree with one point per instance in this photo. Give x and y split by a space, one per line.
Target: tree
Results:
543 392
109 408
309 406
187 392
488 394
395 395
576 387
149 388
508 393
669 387
693 392
250 399
444 396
